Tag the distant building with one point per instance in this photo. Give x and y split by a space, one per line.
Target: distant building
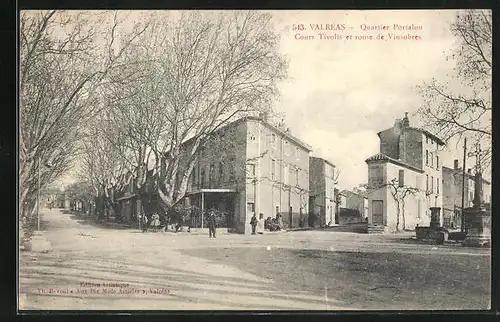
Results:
356 200
255 168
409 157
322 190
452 193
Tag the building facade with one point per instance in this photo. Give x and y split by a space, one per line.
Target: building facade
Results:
405 177
355 200
322 190
252 167
452 193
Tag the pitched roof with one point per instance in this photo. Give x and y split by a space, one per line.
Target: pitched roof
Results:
429 134
383 157
272 127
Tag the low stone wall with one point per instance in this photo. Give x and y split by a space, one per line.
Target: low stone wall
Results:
431 235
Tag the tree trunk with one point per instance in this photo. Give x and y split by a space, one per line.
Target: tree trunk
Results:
397 215
403 215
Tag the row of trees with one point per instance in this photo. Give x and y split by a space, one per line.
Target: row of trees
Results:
59 90
122 92
122 97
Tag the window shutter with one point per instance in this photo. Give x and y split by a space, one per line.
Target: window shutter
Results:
401 178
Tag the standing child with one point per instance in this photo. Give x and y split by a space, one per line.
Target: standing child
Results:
260 224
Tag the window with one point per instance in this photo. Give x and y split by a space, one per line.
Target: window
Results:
432 159
426 139
251 169
437 162
437 185
427 182
212 172
427 157
273 140
401 178
297 153
221 171
286 147
297 177
273 169
285 174
378 212
432 184
250 207
193 175
202 177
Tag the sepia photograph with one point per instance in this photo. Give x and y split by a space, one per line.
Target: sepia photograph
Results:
254 160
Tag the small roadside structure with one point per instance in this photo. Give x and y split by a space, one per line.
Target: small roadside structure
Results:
434 233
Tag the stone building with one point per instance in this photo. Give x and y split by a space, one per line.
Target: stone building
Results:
408 161
251 166
452 193
322 190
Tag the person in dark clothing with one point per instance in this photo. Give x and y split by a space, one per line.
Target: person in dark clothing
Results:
211 224
253 222
144 223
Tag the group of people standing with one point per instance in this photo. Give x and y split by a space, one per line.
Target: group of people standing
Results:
257 224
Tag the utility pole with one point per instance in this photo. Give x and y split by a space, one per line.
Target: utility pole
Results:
38 197
462 225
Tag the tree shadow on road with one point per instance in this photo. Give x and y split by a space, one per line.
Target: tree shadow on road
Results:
194 287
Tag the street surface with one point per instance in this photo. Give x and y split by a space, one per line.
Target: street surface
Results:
97 268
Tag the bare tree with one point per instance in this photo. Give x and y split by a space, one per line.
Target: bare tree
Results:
103 167
195 73
399 192
65 56
462 106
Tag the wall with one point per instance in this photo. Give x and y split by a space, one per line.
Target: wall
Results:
377 176
452 189
322 186
451 195
355 201
389 143
411 141
330 193
317 176
227 151
413 215
278 191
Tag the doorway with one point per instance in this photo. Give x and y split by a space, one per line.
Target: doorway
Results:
378 212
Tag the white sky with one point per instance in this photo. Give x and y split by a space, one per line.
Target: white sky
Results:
340 93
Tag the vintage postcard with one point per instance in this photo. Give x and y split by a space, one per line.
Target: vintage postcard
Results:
255 160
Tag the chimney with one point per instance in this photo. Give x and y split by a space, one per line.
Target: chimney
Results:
263 116
455 164
406 121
